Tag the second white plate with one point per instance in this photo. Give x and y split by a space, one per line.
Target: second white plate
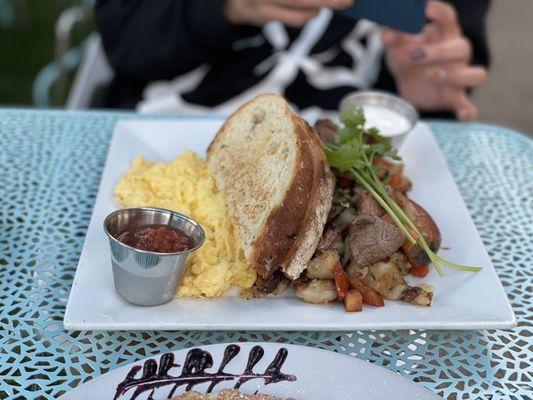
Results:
463 300
277 369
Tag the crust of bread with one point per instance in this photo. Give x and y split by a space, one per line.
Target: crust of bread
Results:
285 223
319 205
291 231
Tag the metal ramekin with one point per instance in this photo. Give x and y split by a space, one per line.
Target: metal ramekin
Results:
386 100
143 277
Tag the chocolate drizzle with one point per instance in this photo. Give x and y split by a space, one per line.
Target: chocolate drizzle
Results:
194 372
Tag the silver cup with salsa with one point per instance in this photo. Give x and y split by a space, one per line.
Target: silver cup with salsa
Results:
149 249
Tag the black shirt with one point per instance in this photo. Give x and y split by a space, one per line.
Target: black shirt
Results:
147 41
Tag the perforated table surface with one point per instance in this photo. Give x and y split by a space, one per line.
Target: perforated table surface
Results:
50 168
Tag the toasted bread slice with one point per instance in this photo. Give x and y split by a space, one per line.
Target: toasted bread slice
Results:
319 205
272 172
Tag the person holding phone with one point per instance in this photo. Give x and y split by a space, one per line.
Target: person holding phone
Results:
187 55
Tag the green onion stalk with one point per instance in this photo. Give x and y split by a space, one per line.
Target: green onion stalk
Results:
354 154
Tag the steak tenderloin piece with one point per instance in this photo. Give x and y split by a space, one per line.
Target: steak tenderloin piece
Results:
366 204
371 240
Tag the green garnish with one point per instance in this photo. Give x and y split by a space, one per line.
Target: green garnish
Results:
352 153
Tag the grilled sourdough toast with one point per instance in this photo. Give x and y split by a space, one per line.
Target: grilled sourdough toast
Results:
271 169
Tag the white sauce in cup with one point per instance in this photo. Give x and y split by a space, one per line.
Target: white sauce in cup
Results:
388 122
392 116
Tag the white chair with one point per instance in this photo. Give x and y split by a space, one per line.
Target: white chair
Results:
87 61
94 71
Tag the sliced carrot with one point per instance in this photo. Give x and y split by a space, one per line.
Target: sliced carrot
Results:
419 271
396 181
370 296
341 281
353 301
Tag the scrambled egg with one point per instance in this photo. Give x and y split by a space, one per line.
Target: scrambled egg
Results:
186 185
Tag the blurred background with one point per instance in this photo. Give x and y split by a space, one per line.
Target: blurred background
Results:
50 58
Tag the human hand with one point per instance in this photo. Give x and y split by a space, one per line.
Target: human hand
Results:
432 69
294 13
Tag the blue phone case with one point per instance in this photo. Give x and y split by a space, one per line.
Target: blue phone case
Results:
403 15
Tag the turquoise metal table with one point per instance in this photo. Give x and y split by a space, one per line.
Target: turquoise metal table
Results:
50 167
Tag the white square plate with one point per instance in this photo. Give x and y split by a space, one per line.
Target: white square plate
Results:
463 300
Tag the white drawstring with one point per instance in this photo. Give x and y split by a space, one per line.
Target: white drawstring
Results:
284 64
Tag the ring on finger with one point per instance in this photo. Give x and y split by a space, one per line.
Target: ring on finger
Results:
438 73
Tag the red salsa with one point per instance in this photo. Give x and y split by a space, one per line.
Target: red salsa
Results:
157 238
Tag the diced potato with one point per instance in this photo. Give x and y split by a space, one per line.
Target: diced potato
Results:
321 267
401 262
353 301
423 300
417 295
354 269
382 277
317 291
425 297
395 293
427 288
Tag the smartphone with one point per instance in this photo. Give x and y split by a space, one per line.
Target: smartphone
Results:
403 15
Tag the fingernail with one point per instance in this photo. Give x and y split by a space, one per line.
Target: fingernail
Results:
418 54
464 114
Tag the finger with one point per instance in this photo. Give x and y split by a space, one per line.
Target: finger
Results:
453 50
458 101
315 4
443 24
432 33
391 37
458 75
295 18
445 17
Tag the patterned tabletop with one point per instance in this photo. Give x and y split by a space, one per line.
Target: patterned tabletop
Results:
50 165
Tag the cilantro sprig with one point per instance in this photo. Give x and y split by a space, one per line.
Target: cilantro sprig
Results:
353 153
